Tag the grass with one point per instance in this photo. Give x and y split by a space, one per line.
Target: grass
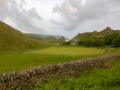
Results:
54 55
98 79
71 50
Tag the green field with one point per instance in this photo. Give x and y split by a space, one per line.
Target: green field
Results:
53 55
74 51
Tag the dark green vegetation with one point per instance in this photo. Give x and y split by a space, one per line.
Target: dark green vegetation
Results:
13 40
58 39
98 79
96 39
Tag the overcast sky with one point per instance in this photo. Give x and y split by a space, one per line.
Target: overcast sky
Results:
60 17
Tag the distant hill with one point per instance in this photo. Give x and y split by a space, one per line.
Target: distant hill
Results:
93 35
52 39
36 36
49 39
12 39
61 40
44 37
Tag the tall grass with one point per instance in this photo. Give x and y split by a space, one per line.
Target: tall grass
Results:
105 79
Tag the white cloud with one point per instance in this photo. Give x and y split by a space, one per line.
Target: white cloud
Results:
24 19
94 10
66 17
83 2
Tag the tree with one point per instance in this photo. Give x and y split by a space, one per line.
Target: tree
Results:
110 38
95 42
67 43
116 41
88 42
80 42
101 42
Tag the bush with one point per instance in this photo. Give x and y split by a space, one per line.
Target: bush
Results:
116 42
110 38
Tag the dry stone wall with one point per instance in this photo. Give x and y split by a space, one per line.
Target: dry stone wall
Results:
73 68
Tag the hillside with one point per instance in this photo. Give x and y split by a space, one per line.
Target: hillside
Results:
44 37
94 35
49 39
36 36
52 39
61 40
12 39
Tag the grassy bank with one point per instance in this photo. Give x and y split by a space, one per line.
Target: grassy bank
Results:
98 79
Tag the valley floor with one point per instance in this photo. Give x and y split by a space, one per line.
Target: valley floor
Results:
15 61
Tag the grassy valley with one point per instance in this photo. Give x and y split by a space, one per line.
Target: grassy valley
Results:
38 53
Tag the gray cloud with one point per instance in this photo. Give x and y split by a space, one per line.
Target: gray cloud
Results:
25 19
3 9
77 14
54 22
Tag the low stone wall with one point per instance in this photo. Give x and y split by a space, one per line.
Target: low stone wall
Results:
73 68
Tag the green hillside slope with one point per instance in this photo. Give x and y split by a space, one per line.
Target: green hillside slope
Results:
61 40
49 39
94 35
39 36
12 39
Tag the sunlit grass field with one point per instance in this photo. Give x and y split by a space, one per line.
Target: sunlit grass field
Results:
53 55
74 51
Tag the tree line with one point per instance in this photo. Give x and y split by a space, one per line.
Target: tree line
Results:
112 39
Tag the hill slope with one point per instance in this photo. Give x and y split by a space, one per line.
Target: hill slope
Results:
12 39
61 40
49 39
42 35
94 35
